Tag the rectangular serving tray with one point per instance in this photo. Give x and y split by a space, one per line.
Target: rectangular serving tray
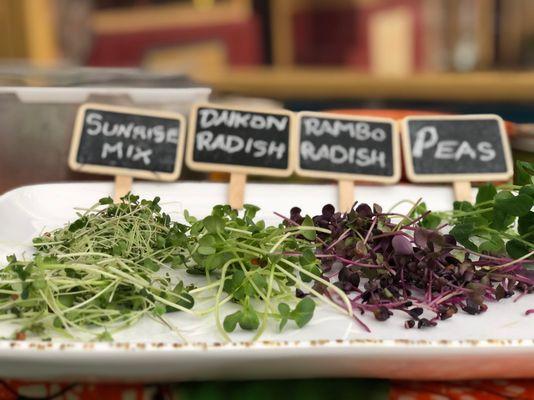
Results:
498 343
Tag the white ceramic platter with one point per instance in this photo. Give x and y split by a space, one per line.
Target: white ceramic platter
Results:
498 343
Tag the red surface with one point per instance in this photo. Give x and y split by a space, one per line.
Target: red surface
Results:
242 41
360 56
324 37
400 390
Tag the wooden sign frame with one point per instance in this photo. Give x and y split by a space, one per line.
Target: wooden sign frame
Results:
343 176
468 177
240 169
118 171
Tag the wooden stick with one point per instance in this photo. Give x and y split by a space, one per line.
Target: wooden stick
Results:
123 185
462 191
236 190
345 195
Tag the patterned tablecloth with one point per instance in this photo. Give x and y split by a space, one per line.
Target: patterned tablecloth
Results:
318 389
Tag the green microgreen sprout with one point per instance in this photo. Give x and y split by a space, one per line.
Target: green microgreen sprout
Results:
99 274
499 222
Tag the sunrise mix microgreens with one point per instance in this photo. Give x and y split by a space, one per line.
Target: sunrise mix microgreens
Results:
105 270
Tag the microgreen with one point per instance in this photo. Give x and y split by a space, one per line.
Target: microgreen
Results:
390 261
98 274
501 221
113 264
258 267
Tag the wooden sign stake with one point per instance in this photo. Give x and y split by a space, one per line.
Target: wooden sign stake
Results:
123 185
459 149
127 156
216 142
462 191
236 190
345 194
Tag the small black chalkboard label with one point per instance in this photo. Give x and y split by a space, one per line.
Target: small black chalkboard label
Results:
238 140
127 141
456 148
348 147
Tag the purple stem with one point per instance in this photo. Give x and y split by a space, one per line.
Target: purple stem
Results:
339 239
366 239
338 301
286 219
358 264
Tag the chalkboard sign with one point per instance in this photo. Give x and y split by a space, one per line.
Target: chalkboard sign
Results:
348 147
127 141
456 148
238 140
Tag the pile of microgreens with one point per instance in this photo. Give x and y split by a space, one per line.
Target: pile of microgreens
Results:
116 264
261 268
99 274
388 261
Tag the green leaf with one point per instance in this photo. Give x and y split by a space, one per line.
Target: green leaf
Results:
208 240
431 221
67 300
462 233
216 260
307 257
463 206
516 249
78 224
249 320
151 264
104 337
231 320
186 300
519 205
105 201
284 311
308 234
527 190
214 224
176 239
486 193
494 245
189 218
303 312
57 323
501 220
502 197
260 281
39 283
525 223
312 269
524 173
206 250
159 309
196 228
250 211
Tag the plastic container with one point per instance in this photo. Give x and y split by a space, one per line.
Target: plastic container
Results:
36 121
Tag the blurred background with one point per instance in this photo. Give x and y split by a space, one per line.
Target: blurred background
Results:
456 56
392 57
